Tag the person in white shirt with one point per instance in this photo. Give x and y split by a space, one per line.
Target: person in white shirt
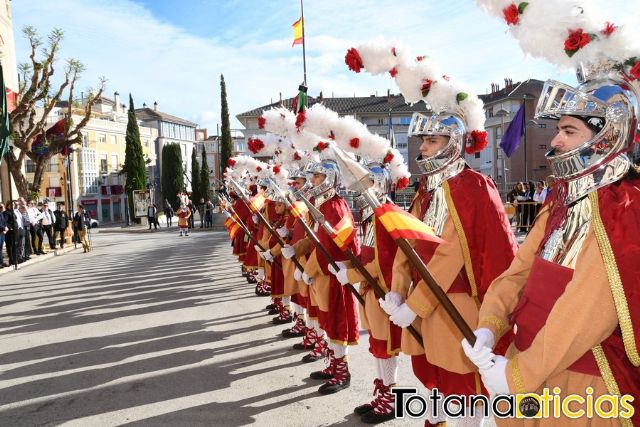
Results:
47 224
35 231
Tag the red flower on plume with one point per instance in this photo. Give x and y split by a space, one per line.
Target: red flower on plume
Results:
420 58
477 141
296 156
354 142
258 168
353 60
511 14
261 122
402 183
276 169
393 72
255 145
321 146
635 70
388 157
231 163
608 29
300 118
577 39
426 87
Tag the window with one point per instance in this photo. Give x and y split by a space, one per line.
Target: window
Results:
103 163
114 139
404 120
85 140
476 155
30 167
145 142
101 138
380 121
489 112
88 160
89 182
53 164
114 163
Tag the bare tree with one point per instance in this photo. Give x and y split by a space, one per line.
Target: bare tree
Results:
36 100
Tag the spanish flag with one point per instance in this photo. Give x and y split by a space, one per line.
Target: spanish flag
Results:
344 233
297 32
403 225
257 203
298 209
232 227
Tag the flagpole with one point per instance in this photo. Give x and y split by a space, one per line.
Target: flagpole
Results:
304 55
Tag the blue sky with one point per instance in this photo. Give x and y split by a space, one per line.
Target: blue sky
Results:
173 51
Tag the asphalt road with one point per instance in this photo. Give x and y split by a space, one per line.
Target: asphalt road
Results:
152 329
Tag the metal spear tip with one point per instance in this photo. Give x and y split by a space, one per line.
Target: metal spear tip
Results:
355 176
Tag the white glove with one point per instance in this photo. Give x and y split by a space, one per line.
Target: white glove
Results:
403 316
297 275
283 232
254 218
260 274
306 279
340 273
391 302
267 256
495 377
481 353
288 251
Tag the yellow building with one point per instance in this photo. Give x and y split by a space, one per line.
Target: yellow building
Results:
95 164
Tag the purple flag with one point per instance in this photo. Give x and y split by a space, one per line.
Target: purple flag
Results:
513 134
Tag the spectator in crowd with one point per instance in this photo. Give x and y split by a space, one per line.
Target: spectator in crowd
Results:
16 234
35 230
152 213
81 223
3 232
201 210
539 196
61 224
208 214
168 214
157 216
192 215
26 246
48 220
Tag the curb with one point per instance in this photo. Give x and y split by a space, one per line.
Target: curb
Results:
38 259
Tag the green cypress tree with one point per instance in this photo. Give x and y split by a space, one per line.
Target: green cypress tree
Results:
226 148
196 192
134 165
172 179
205 184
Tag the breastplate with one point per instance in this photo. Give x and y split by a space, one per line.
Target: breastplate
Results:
437 212
565 242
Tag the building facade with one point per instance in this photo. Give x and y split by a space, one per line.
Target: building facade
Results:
169 130
91 171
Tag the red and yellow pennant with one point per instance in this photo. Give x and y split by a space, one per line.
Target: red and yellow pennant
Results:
257 202
233 230
297 32
402 225
298 209
344 233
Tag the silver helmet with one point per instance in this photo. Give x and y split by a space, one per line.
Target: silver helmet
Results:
609 107
297 173
381 183
329 168
444 124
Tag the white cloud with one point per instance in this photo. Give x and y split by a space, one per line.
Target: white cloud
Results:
159 61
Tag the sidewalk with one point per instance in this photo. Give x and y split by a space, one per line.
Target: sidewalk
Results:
35 259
